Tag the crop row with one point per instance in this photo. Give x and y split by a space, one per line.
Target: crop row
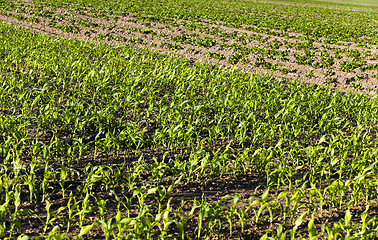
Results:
253 46
152 13
345 24
105 140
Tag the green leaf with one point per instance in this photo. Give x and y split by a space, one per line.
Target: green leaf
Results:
152 190
264 237
322 139
311 227
282 194
348 217
84 230
299 220
55 229
279 144
265 195
23 237
334 161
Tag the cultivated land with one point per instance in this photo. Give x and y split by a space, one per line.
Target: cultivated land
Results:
188 119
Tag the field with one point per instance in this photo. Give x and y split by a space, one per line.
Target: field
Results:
191 119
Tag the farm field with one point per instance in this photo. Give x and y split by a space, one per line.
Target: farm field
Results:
188 119
320 43
354 2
